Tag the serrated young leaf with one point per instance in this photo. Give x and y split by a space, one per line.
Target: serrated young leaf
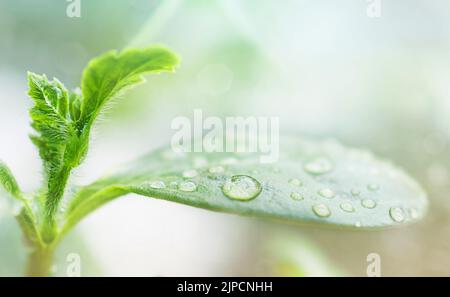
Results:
110 74
8 181
313 182
49 120
62 120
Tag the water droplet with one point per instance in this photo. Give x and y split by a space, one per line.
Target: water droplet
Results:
318 166
190 173
321 210
173 185
297 196
373 187
358 224
396 214
241 187
368 203
347 206
327 193
157 184
295 182
216 169
187 187
355 192
413 213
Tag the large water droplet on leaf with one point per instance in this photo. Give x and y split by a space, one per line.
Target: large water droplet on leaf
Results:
241 187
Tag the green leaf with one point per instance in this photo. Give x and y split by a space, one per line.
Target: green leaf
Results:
61 146
8 181
25 216
313 182
49 120
62 120
109 75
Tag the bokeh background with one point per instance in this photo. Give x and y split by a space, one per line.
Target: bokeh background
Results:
325 67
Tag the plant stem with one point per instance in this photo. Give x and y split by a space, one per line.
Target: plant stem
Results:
40 261
55 193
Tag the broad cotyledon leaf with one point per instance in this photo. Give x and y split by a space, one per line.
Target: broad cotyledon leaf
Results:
313 182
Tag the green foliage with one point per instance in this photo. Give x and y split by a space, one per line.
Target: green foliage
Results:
63 120
312 183
8 181
109 75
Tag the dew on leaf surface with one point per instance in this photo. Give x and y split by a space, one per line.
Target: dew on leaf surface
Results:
321 210
241 187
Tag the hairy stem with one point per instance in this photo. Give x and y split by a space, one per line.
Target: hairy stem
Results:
56 188
40 261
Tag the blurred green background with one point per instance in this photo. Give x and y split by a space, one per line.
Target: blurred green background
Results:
324 67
